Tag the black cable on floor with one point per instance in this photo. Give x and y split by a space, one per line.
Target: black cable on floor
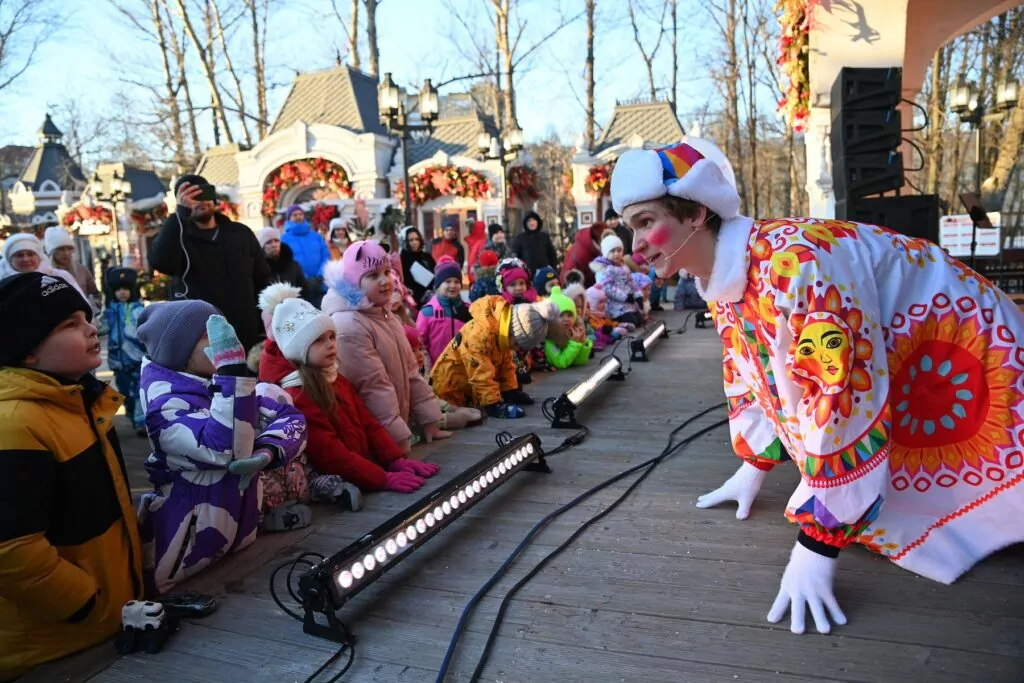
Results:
670 448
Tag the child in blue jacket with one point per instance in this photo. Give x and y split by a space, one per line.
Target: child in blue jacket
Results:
124 350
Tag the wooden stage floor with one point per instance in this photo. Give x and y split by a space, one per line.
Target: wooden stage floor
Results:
656 591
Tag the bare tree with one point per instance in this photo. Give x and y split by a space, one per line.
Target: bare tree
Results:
239 97
84 134
371 35
25 25
351 29
259 51
726 17
589 69
675 57
204 51
648 57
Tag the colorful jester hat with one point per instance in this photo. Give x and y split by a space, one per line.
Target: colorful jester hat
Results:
681 171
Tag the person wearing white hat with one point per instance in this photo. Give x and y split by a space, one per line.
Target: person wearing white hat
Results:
23 253
60 248
890 372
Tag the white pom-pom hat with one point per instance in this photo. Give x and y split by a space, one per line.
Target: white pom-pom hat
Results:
682 171
297 324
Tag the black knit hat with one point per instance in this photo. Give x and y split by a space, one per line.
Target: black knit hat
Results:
610 213
191 179
493 229
32 305
122 278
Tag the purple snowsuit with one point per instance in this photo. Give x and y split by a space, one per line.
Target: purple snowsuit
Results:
618 285
196 513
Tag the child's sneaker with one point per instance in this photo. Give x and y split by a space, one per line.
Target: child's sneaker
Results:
330 488
290 515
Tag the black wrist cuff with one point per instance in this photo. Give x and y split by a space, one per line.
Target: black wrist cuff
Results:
816 546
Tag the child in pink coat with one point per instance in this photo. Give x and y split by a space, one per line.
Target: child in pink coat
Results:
445 314
373 353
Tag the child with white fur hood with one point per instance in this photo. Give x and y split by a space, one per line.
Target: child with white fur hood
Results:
373 352
616 280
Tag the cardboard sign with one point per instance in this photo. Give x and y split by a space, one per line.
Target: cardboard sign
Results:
955 235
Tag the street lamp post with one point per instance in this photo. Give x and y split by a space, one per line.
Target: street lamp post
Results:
968 105
393 115
504 150
120 189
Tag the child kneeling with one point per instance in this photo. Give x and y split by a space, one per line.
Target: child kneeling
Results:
478 368
70 555
344 436
203 415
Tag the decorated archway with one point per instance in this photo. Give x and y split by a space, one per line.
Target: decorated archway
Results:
304 180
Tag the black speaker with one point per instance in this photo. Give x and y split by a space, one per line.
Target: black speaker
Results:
866 132
863 174
912 215
865 89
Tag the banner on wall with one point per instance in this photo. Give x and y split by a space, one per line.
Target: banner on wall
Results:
955 235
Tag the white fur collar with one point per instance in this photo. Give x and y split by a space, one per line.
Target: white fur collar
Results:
290 380
728 278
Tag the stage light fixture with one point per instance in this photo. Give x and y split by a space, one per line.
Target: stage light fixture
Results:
329 584
564 408
703 319
638 347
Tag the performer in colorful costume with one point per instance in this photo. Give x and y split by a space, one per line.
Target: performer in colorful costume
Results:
888 371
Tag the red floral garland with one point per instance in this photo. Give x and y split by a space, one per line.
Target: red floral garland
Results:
599 179
149 220
83 213
522 184
304 172
443 181
794 59
227 207
323 214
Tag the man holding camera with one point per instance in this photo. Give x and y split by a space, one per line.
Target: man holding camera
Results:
212 258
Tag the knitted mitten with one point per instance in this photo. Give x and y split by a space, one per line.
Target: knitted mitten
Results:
402 482
247 468
417 467
224 349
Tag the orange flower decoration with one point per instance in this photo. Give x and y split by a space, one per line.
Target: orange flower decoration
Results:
825 234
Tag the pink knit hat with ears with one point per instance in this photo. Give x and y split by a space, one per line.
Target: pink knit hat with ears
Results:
361 258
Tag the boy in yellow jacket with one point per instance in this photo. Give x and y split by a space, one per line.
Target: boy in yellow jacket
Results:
69 546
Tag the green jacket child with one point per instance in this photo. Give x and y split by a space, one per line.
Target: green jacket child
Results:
577 349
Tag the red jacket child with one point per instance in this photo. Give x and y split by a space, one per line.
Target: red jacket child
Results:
353 444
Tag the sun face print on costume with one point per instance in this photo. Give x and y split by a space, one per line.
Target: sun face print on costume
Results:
824 351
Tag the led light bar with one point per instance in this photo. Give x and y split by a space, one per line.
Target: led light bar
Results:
564 407
327 586
638 347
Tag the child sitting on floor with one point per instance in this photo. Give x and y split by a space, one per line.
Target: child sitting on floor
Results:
124 350
298 481
203 416
344 437
576 349
70 555
606 330
445 314
486 274
478 367
642 283
615 277
374 354
544 280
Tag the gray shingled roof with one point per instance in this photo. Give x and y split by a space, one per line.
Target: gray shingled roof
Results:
454 136
51 161
341 96
219 165
655 122
50 129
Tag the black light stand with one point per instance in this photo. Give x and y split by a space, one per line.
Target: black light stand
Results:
638 347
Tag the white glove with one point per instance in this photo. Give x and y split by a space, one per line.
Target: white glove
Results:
741 487
807 582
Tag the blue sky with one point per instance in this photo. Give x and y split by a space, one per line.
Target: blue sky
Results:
89 59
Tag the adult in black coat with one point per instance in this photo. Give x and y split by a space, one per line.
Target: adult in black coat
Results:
533 246
411 251
613 221
281 261
212 258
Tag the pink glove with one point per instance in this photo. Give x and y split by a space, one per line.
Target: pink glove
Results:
401 482
417 467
